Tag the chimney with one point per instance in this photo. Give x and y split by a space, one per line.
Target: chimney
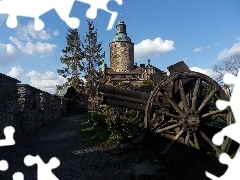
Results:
142 66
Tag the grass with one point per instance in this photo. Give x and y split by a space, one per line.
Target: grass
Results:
94 131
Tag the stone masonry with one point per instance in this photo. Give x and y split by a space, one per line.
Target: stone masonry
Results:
122 67
25 107
122 56
8 101
121 50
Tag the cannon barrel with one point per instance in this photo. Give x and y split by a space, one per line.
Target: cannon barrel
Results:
123 97
106 89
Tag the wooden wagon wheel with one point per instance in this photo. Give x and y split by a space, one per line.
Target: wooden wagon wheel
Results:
182 108
133 129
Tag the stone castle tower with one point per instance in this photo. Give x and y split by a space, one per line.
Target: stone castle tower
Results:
121 50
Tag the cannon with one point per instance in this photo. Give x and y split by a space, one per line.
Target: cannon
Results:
181 108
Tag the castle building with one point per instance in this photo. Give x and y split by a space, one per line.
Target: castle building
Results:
121 50
122 67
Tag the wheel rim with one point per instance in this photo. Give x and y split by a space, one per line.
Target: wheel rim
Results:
181 108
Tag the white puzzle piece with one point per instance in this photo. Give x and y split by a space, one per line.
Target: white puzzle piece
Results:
36 8
231 131
8 132
44 170
3 165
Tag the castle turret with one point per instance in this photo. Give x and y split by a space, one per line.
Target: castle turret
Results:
121 50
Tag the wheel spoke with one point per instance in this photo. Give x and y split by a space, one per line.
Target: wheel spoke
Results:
174 140
185 148
136 121
196 141
172 88
157 104
167 128
160 124
164 124
207 99
153 120
187 137
183 97
195 92
211 113
168 114
210 142
191 143
226 144
190 95
175 106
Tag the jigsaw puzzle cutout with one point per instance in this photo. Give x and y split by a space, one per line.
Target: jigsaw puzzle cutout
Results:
44 170
231 131
101 4
8 132
233 167
36 8
3 165
18 176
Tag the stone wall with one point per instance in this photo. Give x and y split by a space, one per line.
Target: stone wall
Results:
122 56
25 107
8 101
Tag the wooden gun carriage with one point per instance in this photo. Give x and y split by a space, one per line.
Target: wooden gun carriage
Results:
181 108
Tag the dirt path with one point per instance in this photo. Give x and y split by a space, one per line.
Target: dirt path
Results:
61 140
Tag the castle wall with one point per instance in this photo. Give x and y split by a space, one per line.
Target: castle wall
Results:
122 56
25 107
8 101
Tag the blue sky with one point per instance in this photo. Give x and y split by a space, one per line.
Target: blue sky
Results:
200 32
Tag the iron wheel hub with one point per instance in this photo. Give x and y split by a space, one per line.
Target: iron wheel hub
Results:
191 121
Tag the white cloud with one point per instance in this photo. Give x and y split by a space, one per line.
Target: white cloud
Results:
56 32
16 72
49 75
33 48
7 48
197 49
46 82
207 72
234 50
26 42
10 49
33 74
8 52
152 48
27 33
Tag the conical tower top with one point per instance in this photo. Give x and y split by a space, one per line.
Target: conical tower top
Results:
121 34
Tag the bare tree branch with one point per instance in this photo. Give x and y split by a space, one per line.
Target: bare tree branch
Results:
228 65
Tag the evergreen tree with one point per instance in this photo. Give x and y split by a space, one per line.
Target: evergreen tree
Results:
72 59
94 58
